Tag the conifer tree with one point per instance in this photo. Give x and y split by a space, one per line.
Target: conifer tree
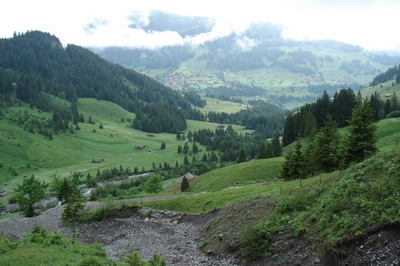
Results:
213 157
342 106
269 150
294 166
262 152
360 138
189 135
195 148
276 146
204 159
395 104
185 148
298 169
242 156
289 134
326 147
73 212
375 103
387 108
322 109
287 166
185 160
179 149
311 125
184 184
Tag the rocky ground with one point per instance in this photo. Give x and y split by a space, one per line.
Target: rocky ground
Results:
179 238
174 236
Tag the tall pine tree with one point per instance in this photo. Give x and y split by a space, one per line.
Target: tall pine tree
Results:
242 156
360 137
326 147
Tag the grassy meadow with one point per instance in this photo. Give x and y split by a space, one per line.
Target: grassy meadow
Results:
298 203
24 154
223 186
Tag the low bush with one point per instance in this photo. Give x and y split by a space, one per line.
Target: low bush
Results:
108 210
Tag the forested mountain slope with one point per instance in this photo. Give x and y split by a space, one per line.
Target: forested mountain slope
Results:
38 65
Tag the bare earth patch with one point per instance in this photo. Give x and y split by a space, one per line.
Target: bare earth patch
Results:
179 237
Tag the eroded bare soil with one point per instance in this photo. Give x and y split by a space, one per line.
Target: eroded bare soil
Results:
179 237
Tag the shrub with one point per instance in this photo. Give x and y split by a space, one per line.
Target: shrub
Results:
7 244
393 114
12 200
91 261
255 241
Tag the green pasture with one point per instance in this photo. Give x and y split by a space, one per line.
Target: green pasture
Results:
67 153
388 134
197 125
116 144
387 88
196 202
256 171
219 106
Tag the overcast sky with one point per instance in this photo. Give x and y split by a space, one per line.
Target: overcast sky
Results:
371 24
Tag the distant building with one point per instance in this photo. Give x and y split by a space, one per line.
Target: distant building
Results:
140 146
187 175
150 134
98 160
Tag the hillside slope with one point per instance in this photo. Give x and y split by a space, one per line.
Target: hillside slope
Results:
38 66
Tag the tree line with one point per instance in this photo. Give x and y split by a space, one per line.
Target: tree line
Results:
386 76
311 117
327 150
228 143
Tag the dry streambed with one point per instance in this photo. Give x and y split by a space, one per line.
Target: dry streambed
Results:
174 236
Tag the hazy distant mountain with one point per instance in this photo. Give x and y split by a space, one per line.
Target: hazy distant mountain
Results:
257 57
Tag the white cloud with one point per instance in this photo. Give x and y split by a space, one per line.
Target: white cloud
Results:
245 42
369 23
218 31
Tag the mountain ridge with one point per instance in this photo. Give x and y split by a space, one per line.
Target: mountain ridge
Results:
257 57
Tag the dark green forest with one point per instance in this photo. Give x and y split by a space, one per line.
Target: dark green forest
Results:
314 127
39 66
310 118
